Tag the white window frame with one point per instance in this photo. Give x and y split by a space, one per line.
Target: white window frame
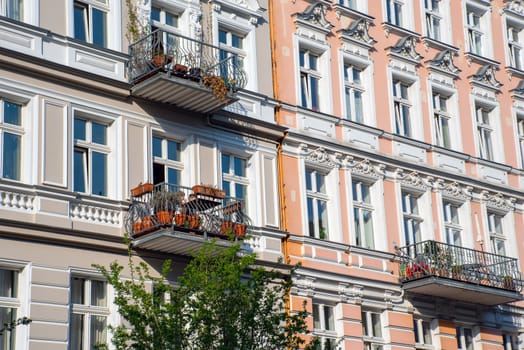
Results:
462 338
177 165
496 233
15 130
519 120
373 341
411 213
515 43
477 33
317 195
400 105
392 15
29 11
510 340
450 210
420 327
360 205
235 179
306 74
88 147
443 135
353 87
13 303
88 310
164 9
89 5
435 13
486 119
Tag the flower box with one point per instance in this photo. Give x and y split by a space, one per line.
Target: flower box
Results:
142 188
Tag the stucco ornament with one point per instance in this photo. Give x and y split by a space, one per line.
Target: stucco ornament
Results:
320 156
413 180
486 75
516 6
497 201
444 61
366 168
304 285
359 31
406 47
316 15
455 190
519 90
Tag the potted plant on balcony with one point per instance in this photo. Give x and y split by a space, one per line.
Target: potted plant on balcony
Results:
226 228
165 203
240 230
141 189
216 84
507 282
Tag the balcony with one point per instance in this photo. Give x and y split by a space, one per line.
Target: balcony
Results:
190 74
453 272
178 220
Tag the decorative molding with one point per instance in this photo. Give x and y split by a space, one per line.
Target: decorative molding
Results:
516 6
359 31
405 47
497 201
453 190
444 61
320 156
519 90
350 293
365 168
486 76
315 15
304 285
413 180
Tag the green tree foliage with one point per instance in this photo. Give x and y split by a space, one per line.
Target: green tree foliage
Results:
220 302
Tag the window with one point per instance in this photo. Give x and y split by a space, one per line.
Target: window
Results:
363 214
441 119
411 217
476 30
452 227
354 91
394 9
402 107
496 234
90 21
13 9
9 304
234 176
515 46
352 4
372 330
464 338
167 21
422 330
167 166
433 19
485 132
232 48
11 139
90 157
309 79
161 17
520 135
323 324
510 341
317 200
89 313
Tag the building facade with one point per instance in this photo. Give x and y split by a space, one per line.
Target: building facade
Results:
377 143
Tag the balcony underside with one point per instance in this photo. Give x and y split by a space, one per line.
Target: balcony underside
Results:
174 241
181 92
461 290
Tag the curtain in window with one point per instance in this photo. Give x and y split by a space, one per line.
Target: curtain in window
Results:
15 9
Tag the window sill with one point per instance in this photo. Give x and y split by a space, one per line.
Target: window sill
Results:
515 72
351 13
439 45
399 31
482 60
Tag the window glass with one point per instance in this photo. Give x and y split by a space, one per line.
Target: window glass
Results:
99 133
11 156
80 21
80 129
99 173
99 27
79 170
12 113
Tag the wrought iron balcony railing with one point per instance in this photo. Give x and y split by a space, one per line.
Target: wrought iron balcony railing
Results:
436 259
199 210
184 57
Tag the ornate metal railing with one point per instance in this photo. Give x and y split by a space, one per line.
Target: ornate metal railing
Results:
184 57
200 210
431 258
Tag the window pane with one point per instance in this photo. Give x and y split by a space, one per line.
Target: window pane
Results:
236 41
171 19
316 316
77 290
98 293
173 176
157 147
358 107
12 113
7 339
99 27
80 19
79 170
314 94
99 174
358 229
155 13
377 328
311 217
12 154
80 129
8 284
226 186
329 321
222 37
240 167
15 9
75 331
240 191
309 184
173 150
368 228
225 164
98 330
99 133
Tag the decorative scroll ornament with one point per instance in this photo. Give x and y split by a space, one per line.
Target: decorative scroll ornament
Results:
304 285
444 61
519 90
456 191
406 47
497 201
320 156
359 31
367 169
315 14
516 6
486 75
413 180
351 293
